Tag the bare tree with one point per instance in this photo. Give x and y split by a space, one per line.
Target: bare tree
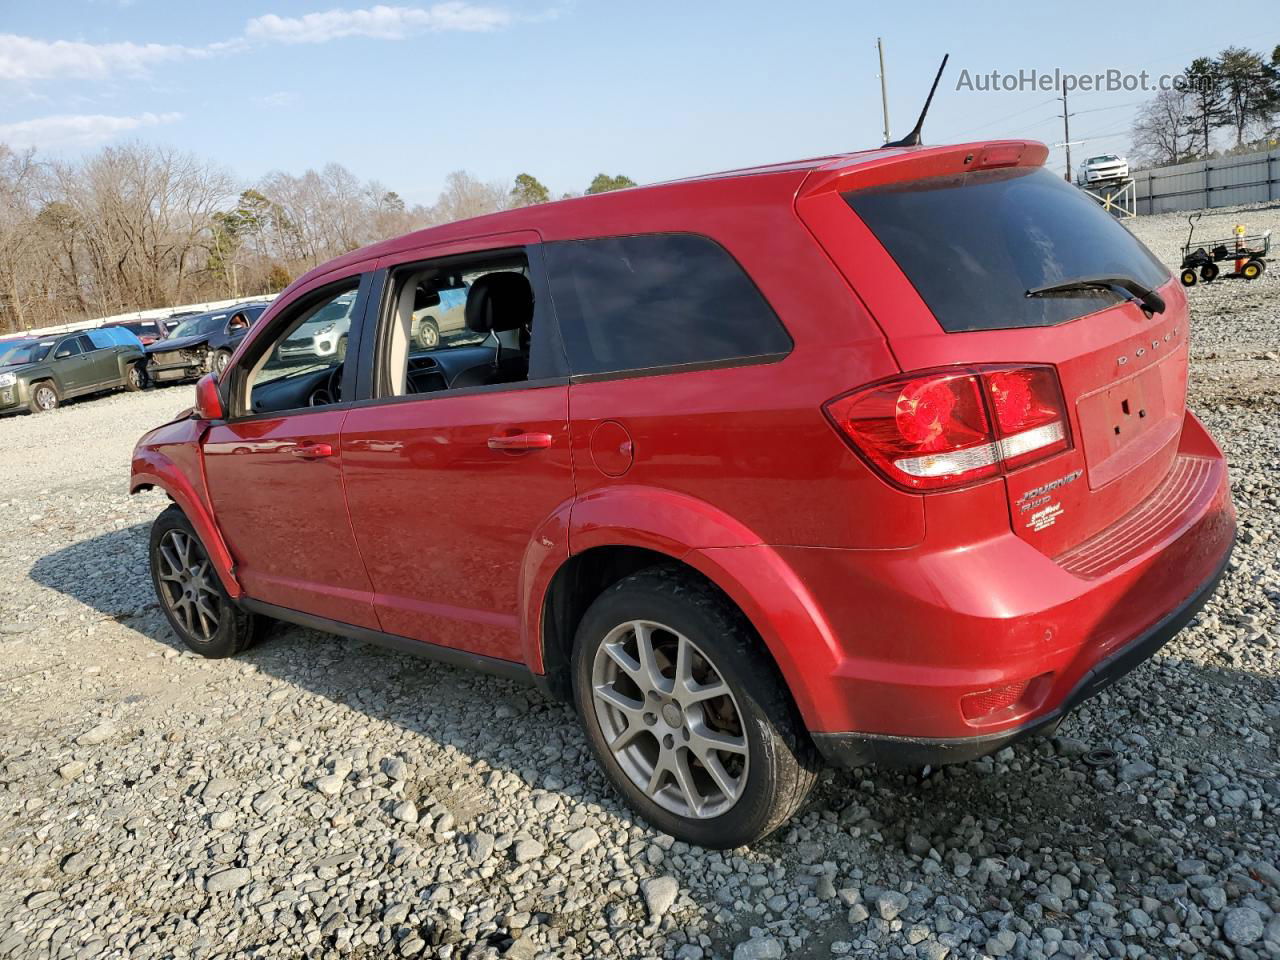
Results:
466 196
17 190
1164 129
136 226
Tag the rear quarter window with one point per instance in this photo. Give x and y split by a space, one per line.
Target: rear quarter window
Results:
974 244
656 301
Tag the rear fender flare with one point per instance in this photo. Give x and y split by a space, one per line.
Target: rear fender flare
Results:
152 469
696 533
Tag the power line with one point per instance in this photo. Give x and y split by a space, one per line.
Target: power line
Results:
1016 113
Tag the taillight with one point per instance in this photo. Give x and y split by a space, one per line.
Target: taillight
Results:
946 428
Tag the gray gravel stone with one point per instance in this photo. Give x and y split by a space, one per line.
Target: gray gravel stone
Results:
759 948
225 881
100 733
1242 926
891 903
659 894
526 850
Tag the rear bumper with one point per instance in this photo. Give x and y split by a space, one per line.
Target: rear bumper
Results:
858 749
952 648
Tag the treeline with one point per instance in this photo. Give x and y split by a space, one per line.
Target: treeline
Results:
138 226
1220 105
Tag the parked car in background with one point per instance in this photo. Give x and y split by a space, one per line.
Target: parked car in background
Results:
201 343
323 335
880 457
148 331
1104 169
438 315
40 373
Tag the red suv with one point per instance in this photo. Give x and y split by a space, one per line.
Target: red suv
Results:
878 457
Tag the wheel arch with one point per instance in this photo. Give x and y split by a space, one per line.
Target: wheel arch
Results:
151 469
652 527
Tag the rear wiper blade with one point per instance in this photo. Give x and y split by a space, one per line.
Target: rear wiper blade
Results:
1150 300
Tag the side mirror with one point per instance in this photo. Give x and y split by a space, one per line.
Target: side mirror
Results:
208 399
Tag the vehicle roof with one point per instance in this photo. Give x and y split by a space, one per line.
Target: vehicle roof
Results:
597 214
223 311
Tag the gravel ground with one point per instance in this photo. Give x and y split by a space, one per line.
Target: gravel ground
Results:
322 798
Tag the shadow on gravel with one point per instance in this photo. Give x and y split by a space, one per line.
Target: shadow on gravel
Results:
109 573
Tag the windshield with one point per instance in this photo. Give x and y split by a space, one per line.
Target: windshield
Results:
338 310
974 244
24 351
200 325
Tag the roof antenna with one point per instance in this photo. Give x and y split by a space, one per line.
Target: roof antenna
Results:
912 139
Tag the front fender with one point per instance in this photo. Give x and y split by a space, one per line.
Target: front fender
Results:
153 468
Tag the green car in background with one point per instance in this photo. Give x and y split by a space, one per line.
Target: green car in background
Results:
38 373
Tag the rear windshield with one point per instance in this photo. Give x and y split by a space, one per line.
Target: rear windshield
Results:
974 244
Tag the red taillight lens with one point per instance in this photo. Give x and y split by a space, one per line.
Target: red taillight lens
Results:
947 428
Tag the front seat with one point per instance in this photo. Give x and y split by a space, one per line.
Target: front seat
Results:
497 302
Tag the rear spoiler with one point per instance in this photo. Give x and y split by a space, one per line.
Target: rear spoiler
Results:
898 164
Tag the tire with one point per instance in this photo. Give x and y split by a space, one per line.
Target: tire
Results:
1189 278
768 764
1252 270
341 352
209 623
428 334
44 397
219 361
1209 272
135 378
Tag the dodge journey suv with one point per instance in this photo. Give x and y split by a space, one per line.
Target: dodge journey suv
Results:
877 457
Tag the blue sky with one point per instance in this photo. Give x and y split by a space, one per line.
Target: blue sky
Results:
406 92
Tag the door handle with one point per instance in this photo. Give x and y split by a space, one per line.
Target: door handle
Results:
312 451
521 441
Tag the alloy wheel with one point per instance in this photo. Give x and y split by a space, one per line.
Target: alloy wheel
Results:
186 581
46 399
669 719
135 376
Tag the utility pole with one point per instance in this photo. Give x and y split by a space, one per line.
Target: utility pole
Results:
884 93
1066 133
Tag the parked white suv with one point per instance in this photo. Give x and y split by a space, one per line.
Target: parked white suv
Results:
1103 169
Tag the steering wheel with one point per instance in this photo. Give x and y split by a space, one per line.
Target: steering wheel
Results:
330 392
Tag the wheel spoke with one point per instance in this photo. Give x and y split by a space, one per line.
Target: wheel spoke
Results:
183 609
207 626
624 737
684 780
175 567
631 709
715 769
654 680
181 544
697 693
660 771
206 610
684 664
704 738
618 654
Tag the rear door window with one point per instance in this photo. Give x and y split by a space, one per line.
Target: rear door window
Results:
657 301
974 244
